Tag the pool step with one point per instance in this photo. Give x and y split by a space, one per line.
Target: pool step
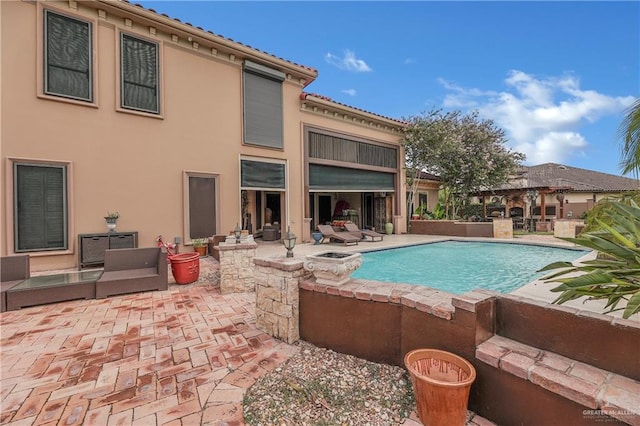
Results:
604 394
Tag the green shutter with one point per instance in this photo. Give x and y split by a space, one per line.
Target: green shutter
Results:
258 174
202 207
40 208
139 74
263 116
68 57
327 178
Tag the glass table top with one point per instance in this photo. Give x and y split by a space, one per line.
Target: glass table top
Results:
56 280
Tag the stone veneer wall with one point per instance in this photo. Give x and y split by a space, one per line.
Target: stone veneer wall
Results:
278 296
503 228
236 267
566 228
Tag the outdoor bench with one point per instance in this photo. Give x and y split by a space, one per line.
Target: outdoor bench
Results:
132 270
13 270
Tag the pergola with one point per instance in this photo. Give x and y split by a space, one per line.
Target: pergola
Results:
529 192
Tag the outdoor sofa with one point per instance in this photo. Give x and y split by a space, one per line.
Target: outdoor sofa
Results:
133 270
13 270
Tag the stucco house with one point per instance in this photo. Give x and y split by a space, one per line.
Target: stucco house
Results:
555 191
424 188
108 106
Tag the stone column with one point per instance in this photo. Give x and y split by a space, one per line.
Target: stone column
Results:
277 296
236 266
566 228
503 228
306 229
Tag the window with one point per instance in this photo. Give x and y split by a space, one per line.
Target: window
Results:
68 57
422 199
40 207
263 114
202 205
139 75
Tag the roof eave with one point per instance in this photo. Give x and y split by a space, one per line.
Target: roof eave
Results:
358 115
305 75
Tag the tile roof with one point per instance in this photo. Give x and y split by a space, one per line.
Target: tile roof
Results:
580 180
554 177
429 176
306 95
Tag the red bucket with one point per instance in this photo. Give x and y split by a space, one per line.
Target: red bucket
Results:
185 267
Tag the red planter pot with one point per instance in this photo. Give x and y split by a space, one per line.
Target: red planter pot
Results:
441 384
185 267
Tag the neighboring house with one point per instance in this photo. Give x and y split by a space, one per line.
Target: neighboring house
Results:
560 191
108 106
426 190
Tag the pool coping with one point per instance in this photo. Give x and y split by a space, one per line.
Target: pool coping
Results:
535 291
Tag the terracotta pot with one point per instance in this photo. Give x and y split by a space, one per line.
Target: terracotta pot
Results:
202 251
185 267
441 384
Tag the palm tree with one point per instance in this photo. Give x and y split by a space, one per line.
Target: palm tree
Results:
629 131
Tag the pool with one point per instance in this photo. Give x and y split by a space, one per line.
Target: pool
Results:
457 267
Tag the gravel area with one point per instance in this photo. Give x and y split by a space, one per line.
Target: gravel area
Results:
321 387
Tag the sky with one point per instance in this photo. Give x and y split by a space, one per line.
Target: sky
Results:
557 77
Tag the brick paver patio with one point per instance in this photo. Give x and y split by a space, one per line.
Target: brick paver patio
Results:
182 357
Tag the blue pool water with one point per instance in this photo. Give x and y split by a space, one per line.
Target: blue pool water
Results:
458 267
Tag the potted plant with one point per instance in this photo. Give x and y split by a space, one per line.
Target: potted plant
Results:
200 246
421 210
111 218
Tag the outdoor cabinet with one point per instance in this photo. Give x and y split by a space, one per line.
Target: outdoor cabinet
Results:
91 247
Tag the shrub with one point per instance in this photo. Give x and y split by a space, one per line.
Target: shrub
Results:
615 273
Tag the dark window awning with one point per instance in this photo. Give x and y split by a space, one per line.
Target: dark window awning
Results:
329 178
262 175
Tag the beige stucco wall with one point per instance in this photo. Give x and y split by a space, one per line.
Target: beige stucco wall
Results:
133 163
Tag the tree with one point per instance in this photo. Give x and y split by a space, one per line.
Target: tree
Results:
466 152
629 131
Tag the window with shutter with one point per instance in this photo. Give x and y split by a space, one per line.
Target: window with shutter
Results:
139 73
40 203
263 115
68 58
202 205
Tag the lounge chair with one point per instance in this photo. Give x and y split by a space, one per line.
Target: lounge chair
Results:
344 237
353 229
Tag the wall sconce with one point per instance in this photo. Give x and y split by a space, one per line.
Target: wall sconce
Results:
237 232
289 241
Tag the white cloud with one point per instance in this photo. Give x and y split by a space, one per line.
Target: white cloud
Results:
350 92
552 147
541 115
348 62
